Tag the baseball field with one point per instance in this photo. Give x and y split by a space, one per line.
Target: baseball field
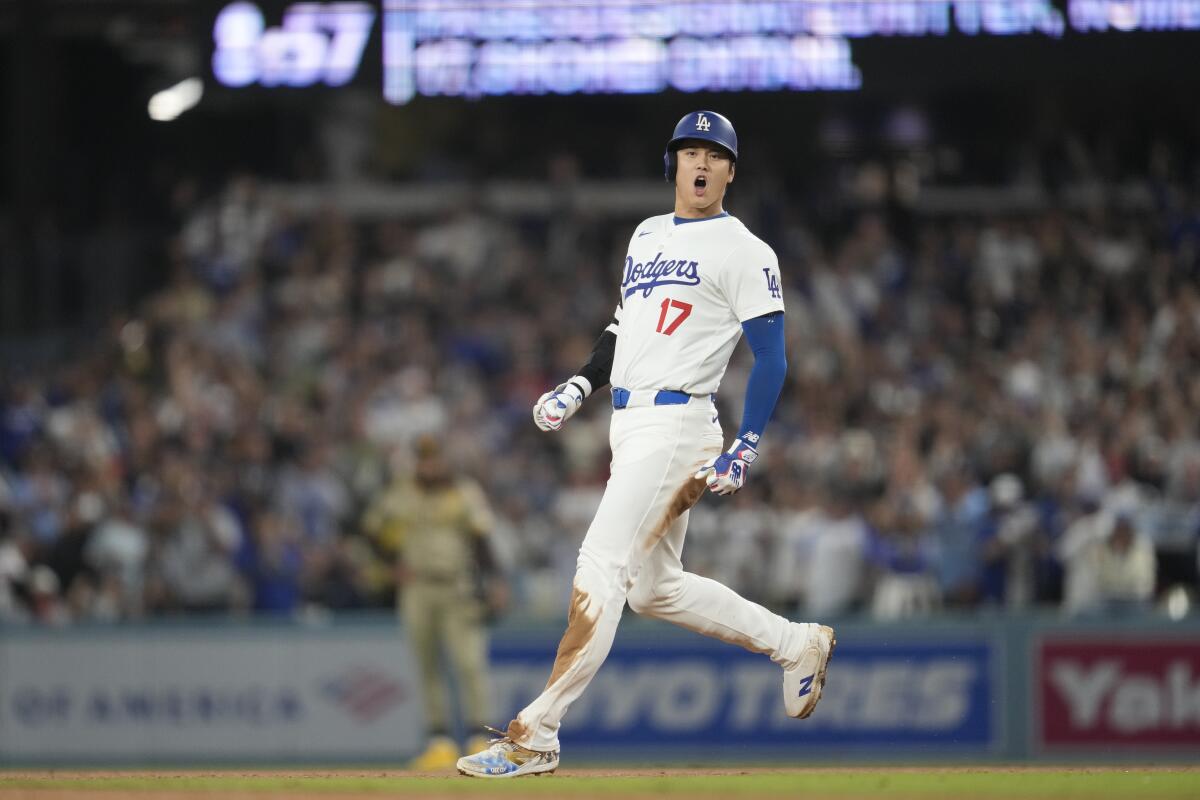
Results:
1030 783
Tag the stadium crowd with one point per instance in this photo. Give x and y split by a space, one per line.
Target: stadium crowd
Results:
983 411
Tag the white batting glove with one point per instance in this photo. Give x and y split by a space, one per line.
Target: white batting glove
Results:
727 473
555 407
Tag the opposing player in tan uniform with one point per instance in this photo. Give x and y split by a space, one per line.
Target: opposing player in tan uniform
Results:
693 282
436 524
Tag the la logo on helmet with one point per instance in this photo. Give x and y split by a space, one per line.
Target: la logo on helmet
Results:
702 123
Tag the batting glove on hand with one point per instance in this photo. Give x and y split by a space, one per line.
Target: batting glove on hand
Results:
555 407
727 472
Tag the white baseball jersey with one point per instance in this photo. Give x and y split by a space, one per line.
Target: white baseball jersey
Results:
685 290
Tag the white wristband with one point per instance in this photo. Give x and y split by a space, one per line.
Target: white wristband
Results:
583 383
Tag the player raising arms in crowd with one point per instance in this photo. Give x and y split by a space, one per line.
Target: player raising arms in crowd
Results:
693 282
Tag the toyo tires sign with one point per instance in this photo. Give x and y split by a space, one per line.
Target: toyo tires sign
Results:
884 694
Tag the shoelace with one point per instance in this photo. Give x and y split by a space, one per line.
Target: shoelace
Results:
501 736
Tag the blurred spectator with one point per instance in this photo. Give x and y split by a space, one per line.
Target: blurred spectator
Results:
1125 567
14 571
902 551
46 604
118 550
821 559
1111 566
315 495
1013 546
199 538
38 493
273 563
903 556
959 531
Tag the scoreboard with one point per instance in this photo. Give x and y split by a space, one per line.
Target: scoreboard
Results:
479 48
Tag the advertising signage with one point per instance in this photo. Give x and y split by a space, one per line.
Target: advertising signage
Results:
940 695
481 48
1123 694
207 694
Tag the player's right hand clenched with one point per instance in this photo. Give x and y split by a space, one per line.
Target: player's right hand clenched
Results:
555 407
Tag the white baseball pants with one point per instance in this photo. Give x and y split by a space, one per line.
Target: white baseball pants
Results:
632 553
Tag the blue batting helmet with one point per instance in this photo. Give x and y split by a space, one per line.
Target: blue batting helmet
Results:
706 125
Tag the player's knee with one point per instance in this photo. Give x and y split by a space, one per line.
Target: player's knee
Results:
641 597
599 561
653 594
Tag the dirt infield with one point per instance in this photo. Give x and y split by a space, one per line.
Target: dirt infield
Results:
641 783
575 772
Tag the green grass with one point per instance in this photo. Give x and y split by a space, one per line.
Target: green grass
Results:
982 782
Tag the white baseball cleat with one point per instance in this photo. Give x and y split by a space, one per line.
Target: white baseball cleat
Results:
504 758
803 682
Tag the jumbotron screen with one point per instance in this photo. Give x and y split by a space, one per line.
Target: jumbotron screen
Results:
480 48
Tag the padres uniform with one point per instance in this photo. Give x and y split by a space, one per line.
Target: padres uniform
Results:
434 532
688 288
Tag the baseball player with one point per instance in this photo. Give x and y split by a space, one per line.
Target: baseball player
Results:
693 282
437 525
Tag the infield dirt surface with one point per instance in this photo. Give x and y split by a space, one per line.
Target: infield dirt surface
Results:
585 783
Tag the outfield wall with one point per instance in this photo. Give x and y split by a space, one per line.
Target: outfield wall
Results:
279 693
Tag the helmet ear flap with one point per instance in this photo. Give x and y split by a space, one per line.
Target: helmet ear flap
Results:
669 165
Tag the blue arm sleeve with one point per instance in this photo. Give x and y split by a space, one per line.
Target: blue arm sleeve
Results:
765 336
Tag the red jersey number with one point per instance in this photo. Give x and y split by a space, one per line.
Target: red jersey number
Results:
685 310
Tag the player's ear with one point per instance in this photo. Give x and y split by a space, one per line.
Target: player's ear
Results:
732 170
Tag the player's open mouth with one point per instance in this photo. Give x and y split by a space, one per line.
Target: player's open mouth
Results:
701 183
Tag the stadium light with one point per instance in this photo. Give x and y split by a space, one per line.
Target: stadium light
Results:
168 104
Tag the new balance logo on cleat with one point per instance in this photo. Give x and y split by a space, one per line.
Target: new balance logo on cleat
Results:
804 680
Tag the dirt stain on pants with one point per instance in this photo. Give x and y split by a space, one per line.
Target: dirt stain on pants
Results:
580 626
688 495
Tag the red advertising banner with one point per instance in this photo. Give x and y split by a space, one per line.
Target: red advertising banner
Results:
1101 692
